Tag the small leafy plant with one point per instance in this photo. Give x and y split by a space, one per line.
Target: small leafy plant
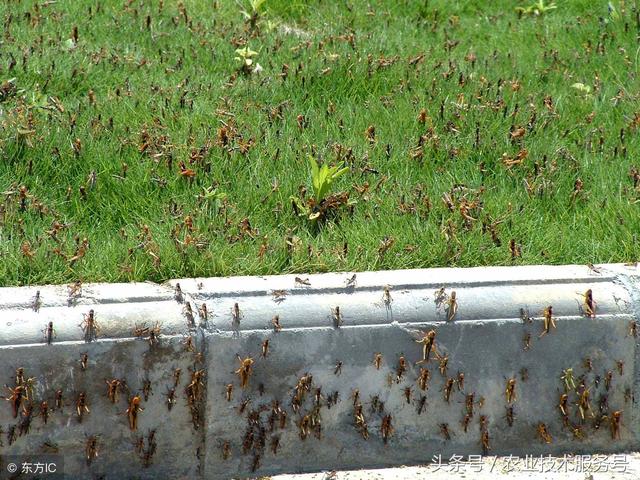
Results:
323 177
321 204
211 198
253 13
538 8
584 90
245 57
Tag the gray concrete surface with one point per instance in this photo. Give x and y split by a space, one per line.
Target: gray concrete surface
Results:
114 354
566 467
483 337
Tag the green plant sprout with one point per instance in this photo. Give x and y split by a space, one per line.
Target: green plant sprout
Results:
538 8
585 90
211 198
245 57
252 14
321 203
323 177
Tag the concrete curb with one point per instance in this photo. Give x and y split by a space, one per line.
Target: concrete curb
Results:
566 467
289 402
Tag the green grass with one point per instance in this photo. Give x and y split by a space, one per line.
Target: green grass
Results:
172 85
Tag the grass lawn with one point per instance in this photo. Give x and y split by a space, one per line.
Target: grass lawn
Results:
134 146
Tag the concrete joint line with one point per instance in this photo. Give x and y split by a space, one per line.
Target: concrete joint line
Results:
246 376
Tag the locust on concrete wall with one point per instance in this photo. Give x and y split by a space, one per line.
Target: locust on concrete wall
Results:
247 376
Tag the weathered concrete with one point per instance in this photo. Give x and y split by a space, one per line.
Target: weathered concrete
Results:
483 338
114 354
580 467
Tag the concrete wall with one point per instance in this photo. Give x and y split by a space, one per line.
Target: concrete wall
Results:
205 435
